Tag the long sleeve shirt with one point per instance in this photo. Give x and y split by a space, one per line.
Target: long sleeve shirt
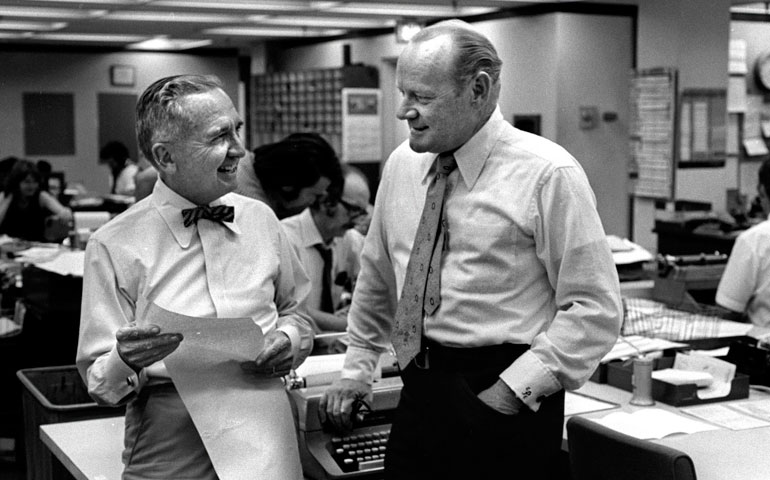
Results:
527 261
245 268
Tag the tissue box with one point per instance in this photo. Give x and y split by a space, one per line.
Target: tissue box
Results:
619 375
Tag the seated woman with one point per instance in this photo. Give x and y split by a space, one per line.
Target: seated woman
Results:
116 156
24 207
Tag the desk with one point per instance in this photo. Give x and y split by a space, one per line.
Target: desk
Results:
91 449
718 454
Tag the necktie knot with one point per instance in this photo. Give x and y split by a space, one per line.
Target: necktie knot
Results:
218 213
446 163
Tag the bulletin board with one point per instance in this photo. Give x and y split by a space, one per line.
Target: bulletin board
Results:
703 128
49 123
653 132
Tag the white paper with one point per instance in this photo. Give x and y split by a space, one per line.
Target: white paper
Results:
721 371
725 416
245 421
361 125
631 345
62 262
756 408
576 403
652 423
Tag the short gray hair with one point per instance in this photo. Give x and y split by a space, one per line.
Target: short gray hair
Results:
159 113
474 51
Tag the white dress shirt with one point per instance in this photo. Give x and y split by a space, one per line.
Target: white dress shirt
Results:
745 283
527 261
346 251
245 268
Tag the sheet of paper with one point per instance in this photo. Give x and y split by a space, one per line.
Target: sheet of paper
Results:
652 423
721 371
725 416
245 421
630 345
756 408
577 403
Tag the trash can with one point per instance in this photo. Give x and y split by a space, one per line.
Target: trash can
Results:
54 395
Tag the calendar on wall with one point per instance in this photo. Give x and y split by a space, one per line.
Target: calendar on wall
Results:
653 132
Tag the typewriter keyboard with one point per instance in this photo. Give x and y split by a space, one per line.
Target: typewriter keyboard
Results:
362 450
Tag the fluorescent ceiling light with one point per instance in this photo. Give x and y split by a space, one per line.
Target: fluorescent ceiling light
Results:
80 37
271 32
147 16
34 12
163 43
755 8
245 5
398 10
299 21
37 26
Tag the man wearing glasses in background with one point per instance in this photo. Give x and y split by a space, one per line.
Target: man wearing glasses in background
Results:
329 247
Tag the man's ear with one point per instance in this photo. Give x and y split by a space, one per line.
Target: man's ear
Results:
163 158
481 87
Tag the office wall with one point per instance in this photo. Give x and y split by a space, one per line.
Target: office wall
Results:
551 64
86 76
692 36
757 37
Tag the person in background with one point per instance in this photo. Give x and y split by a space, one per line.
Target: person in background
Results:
6 164
744 288
487 268
25 207
291 174
329 247
115 155
57 187
192 248
144 179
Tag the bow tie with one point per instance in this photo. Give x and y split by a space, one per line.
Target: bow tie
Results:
219 213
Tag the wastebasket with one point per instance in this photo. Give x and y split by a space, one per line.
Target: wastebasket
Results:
54 395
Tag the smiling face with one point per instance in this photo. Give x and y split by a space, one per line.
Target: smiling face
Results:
441 116
201 164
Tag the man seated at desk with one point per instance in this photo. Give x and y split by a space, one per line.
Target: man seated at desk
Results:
745 285
329 247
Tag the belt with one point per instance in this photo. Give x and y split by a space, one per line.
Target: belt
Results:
434 356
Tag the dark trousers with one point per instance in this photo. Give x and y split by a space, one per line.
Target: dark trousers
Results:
443 431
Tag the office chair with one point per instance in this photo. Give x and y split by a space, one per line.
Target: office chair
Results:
597 452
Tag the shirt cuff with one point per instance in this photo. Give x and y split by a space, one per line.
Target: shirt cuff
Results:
530 380
122 379
294 337
360 364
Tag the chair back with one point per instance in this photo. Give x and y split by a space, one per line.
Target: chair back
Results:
597 452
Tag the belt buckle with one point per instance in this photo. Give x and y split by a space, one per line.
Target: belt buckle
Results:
422 359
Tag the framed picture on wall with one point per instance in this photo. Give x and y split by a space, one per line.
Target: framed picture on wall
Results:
122 75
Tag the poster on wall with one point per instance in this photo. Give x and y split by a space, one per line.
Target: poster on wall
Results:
361 125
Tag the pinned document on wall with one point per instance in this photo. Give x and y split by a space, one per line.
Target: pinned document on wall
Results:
361 125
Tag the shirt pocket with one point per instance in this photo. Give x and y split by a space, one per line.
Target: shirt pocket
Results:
483 253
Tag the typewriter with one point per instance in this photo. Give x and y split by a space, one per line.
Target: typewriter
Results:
360 453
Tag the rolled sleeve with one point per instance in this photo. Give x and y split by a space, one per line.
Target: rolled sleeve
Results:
292 288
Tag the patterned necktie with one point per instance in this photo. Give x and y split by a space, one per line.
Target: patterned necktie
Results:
420 292
327 304
219 213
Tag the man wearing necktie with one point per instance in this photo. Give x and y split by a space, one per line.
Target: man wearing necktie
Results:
486 267
329 247
194 248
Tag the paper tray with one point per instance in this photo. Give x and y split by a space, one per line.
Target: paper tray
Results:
619 375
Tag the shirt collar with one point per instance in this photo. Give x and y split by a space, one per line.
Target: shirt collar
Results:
170 204
473 154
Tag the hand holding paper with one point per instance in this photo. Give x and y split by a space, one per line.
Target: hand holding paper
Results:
275 360
141 346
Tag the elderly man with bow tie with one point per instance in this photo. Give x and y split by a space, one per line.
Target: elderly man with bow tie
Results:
194 248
